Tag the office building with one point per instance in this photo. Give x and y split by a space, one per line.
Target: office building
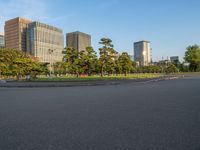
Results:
142 53
174 59
15 33
2 40
45 42
78 40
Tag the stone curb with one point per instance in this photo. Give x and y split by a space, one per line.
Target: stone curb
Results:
81 83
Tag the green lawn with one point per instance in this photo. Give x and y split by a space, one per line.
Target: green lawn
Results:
120 77
190 73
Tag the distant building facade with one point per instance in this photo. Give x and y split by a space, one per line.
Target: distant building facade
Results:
78 40
174 59
142 53
162 62
15 33
45 42
2 40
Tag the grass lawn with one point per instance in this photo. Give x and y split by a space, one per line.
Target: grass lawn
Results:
89 78
190 73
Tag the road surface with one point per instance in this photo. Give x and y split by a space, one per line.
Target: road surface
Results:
162 115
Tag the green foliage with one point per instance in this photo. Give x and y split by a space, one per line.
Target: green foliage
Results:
107 56
184 68
126 63
171 68
192 56
167 68
118 67
88 61
59 68
149 69
96 77
72 61
18 64
71 55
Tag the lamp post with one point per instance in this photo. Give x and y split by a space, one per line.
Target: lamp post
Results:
51 51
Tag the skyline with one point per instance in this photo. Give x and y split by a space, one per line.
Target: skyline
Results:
167 25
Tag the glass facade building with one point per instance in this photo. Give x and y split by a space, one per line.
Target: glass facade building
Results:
45 42
78 40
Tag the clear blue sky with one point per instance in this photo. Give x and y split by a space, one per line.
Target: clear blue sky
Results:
170 25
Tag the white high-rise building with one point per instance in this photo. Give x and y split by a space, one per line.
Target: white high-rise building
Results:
142 53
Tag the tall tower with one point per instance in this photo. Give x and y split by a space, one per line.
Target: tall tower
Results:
45 42
142 53
15 33
78 40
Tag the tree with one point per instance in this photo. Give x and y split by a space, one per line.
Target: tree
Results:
38 68
72 61
110 67
22 66
192 56
126 63
59 68
88 60
17 63
118 67
171 68
71 55
3 68
184 67
107 55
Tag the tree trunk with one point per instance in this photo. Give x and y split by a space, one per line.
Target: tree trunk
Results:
101 71
18 77
77 75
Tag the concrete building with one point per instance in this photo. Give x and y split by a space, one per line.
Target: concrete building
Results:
2 40
15 33
78 40
142 53
45 42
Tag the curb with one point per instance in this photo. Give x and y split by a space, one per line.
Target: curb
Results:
80 84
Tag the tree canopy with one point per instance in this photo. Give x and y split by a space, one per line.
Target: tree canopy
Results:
107 56
192 56
19 64
126 63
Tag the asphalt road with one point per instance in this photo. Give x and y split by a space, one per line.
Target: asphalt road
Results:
161 115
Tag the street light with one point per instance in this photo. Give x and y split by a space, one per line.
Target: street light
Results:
51 51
